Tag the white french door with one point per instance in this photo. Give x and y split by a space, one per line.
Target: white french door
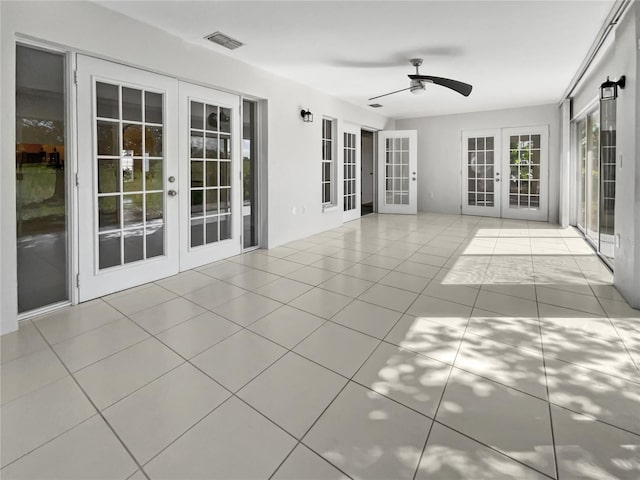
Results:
211 194
351 203
128 153
397 171
505 173
481 173
526 163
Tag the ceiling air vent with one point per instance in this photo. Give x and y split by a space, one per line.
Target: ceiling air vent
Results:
375 105
224 40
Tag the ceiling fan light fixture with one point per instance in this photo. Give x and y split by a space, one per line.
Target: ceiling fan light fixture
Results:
417 87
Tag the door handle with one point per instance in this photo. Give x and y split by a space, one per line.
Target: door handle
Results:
172 193
497 179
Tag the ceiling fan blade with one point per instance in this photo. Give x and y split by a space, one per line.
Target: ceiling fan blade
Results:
460 87
390 93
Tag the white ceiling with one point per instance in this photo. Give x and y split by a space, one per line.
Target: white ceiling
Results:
514 53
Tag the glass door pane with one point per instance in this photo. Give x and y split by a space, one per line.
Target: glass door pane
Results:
249 174
582 172
41 213
607 178
396 191
525 170
480 171
210 167
349 166
592 179
130 164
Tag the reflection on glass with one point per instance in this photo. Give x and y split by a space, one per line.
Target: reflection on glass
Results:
155 240
225 200
211 206
197 115
131 104
107 100
153 141
131 174
607 178
132 210
196 145
154 208
132 138
224 146
41 223
225 174
225 120
212 174
211 233
211 146
212 118
109 249
225 227
197 232
108 181
108 138
153 107
153 174
109 212
197 172
197 197
133 245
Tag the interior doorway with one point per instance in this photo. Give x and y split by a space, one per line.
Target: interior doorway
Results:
367 171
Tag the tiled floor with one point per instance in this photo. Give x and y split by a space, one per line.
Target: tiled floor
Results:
427 347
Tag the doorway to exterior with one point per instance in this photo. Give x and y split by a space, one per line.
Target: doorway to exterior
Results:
159 177
367 171
505 173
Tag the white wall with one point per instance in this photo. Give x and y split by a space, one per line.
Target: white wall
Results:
440 152
293 146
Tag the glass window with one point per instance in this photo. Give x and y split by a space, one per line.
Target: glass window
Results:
41 187
328 174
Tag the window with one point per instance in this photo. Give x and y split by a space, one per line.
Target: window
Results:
328 175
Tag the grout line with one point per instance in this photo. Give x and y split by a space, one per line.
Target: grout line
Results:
546 384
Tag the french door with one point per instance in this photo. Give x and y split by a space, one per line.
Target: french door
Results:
128 156
505 173
351 204
481 173
398 174
211 197
158 176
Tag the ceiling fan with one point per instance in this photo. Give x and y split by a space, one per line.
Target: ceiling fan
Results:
418 82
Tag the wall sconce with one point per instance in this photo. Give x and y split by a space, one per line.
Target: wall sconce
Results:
306 115
609 89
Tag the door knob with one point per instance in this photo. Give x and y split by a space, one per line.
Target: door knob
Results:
497 179
172 193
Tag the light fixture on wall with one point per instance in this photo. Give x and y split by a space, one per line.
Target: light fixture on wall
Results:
609 89
306 115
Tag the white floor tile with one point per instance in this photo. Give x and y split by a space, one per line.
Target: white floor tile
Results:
605 397
166 315
40 416
367 318
198 334
115 377
232 442
591 450
405 281
253 279
476 407
186 282
132 302
247 308
451 456
320 302
575 301
420 335
283 290
389 297
88 451
442 311
293 392
311 275
85 349
28 373
518 368
154 416
22 342
346 285
506 304
238 359
338 348
214 295
287 326
303 464
369 436
418 269
408 378
70 322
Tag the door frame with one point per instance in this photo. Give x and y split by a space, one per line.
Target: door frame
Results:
355 213
204 254
466 209
404 209
124 276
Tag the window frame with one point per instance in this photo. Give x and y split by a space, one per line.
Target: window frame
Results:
328 144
